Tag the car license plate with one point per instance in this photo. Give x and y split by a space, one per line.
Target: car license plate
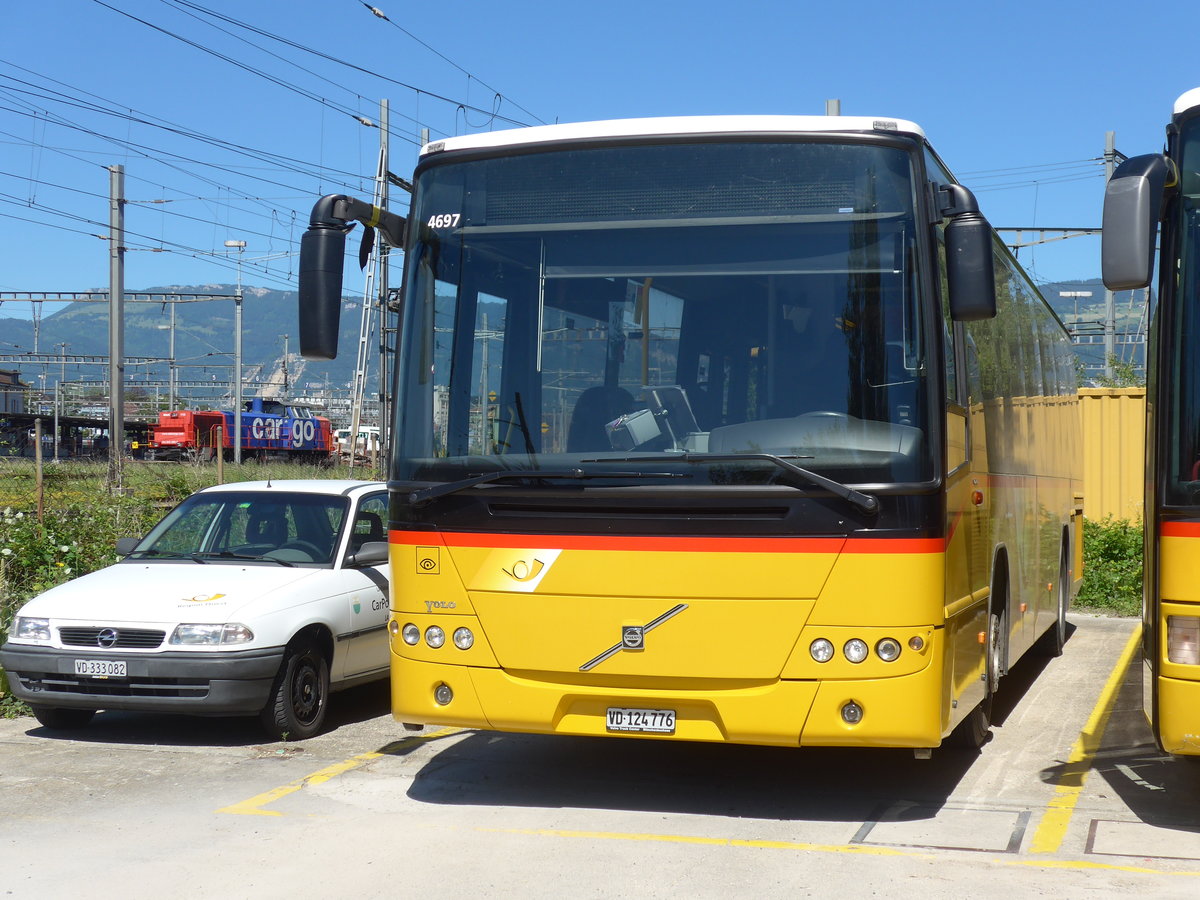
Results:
101 668
658 721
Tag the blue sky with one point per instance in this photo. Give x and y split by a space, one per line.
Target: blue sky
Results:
1016 97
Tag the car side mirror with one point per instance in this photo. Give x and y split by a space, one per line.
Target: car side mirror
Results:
372 553
127 545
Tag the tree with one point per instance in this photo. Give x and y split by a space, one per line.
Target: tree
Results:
1124 374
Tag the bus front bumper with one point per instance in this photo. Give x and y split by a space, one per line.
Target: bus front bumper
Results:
1179 716
902 711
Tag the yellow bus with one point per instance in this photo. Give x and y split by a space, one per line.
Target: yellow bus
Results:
1144 191
742 429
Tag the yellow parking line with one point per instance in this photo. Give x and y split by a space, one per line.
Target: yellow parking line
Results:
1052 829
254 806
800 846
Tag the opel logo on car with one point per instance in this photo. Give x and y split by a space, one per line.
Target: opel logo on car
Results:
633 637
107 637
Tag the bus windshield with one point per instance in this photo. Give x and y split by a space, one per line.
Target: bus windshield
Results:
1182 484
653 307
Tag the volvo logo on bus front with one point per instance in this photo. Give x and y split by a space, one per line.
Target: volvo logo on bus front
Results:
633 637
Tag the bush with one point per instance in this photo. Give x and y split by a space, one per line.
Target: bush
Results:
1112 567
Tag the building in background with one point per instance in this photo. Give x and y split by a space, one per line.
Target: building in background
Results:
12 392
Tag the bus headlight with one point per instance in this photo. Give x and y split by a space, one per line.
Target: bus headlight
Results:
434 636
855 650
411 634
463 639
821 650
1183 640
888 649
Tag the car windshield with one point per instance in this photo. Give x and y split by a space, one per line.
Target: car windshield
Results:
628 306
276 527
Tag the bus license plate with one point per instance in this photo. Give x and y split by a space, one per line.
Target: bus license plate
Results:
658 721
100 668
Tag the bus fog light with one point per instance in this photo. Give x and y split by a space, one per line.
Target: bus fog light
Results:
434 636
916 643
855 650
443 695
1183 640
888 649
852 713
463 639
412 634
821 650
393 628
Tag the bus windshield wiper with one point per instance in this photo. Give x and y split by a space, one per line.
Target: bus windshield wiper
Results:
421 496
865 502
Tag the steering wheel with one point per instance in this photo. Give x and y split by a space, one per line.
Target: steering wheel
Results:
824 414
312 550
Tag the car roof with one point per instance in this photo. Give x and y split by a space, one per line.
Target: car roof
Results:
335 486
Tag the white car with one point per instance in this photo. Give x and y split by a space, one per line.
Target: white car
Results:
256 598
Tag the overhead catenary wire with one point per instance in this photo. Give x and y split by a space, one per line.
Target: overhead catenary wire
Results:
380 14
310 50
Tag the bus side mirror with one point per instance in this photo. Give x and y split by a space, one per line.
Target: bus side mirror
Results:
322 257
1133 200
969 273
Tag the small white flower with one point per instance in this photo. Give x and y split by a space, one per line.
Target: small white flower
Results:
7 551
64 549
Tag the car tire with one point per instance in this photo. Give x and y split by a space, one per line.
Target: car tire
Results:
299 695
62 719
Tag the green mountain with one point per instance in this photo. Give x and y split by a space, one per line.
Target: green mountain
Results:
203 347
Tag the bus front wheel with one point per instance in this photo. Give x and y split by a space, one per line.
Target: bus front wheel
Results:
975 730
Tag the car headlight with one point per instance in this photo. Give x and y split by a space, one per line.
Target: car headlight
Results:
27 628
211 635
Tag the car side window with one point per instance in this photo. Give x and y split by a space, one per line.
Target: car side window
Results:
370 521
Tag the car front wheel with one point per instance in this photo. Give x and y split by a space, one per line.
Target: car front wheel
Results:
299 695
61 719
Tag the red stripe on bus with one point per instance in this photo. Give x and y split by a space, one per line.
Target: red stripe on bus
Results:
1180 529
676 544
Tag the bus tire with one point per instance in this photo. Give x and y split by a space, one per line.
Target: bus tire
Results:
299 695
976 729
59 718
1052 641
